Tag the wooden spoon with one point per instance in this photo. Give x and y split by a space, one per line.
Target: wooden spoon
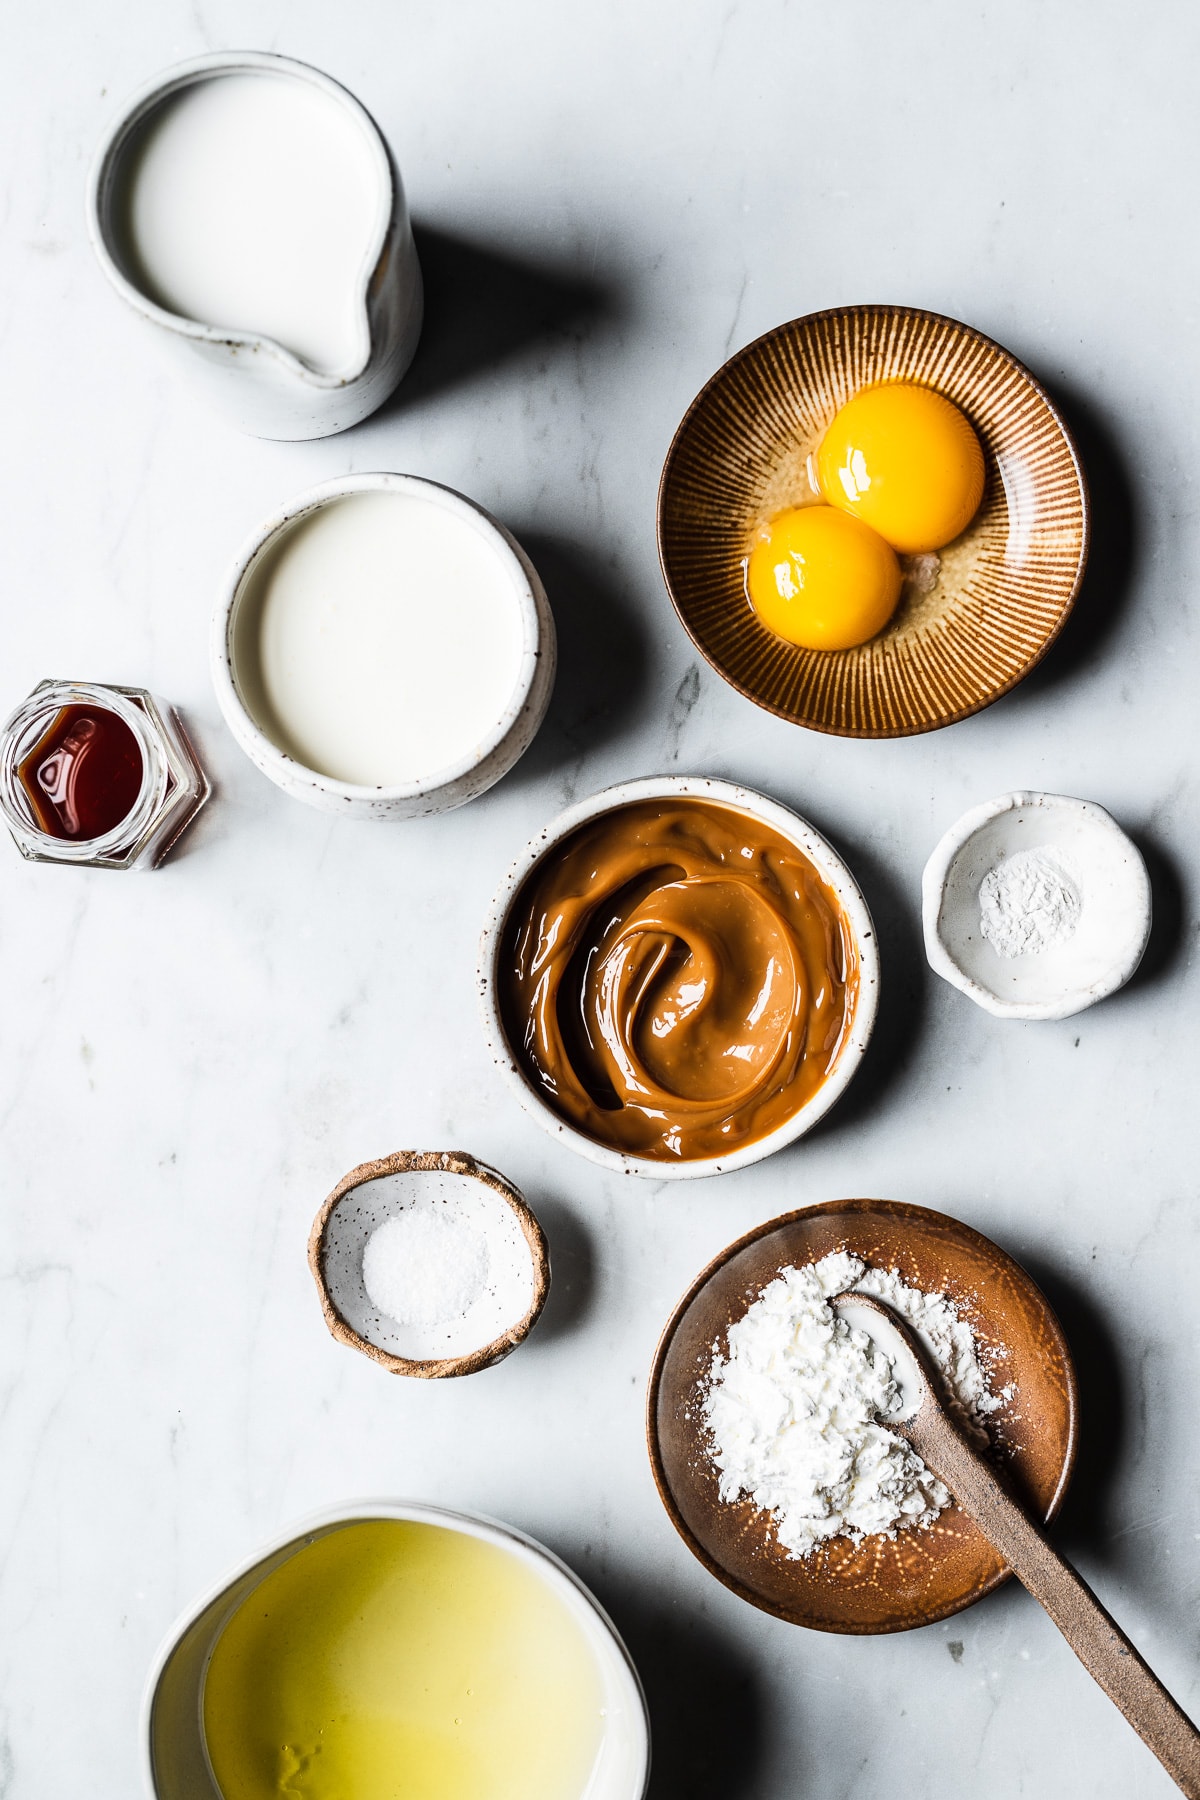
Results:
1101 1646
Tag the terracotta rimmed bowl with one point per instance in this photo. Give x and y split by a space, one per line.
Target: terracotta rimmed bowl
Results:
377 1191
882 1584
832 870
1003 590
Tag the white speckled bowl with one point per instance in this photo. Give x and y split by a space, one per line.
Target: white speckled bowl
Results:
264 388
1114 922
175 1764
831 869
490 758
378 1191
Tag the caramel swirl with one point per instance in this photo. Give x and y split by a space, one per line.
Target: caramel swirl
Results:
676 979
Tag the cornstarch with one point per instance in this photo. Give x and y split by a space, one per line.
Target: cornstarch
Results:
792 1406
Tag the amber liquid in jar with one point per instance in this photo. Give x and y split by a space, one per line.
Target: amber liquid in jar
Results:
84 774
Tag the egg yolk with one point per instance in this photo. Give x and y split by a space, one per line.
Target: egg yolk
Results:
821 579
904 460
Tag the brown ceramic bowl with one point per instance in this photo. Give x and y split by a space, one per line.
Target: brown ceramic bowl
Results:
1004 588
376 1191
882 1584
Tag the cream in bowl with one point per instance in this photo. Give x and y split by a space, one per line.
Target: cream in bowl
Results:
429 1262
246 205
384 648
679 976
396 1652
1036 905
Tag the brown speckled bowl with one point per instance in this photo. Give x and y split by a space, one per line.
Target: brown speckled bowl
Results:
1004 588
882 1584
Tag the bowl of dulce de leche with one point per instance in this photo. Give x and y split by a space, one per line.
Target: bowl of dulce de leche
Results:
678 977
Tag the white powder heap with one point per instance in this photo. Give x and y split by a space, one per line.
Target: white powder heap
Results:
1028 903
425 1267
792 1407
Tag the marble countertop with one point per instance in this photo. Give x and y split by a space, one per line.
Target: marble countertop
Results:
608 201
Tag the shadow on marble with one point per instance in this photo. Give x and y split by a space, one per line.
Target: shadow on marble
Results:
572 1270
903 989
1086 1521
603 655
707 1713
197 835
1168 932
1113 557
483 305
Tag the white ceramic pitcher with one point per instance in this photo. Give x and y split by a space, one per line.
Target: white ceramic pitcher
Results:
264 388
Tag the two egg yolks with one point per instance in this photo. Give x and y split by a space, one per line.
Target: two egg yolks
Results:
901 470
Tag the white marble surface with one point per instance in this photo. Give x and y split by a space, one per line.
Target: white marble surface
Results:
613 198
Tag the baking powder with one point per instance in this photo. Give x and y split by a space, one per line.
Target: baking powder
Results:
1028 903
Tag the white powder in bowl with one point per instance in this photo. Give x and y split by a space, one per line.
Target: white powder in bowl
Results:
425 1267
792 1406
1028 903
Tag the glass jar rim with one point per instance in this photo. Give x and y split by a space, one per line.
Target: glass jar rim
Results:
31 719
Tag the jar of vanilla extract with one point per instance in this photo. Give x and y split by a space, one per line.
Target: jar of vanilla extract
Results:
102 777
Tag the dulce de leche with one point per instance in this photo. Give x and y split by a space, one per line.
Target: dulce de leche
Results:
676 979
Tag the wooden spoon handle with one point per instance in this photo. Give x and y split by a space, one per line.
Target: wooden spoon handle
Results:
1098 1642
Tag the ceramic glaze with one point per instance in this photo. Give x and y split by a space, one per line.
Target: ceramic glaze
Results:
379 637
249 202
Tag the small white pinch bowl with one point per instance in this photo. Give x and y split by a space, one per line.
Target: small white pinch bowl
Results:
377 1191
1114 921
260 386
829 866
175 1764
488 759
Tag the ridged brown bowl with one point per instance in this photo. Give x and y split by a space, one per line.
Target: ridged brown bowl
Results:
1004 588
882 1584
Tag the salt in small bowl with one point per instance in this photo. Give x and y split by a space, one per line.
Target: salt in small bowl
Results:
472 1194
1064 978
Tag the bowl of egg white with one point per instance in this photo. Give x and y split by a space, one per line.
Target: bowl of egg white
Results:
383 648
385 1649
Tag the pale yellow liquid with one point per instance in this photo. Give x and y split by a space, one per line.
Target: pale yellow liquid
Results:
390 1660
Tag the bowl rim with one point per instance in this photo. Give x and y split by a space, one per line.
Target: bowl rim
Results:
571 1587
897 1209
423 1162
937 873
528 596
138 106
978 337
791 825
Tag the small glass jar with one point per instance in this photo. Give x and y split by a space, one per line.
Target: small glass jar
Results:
173 787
